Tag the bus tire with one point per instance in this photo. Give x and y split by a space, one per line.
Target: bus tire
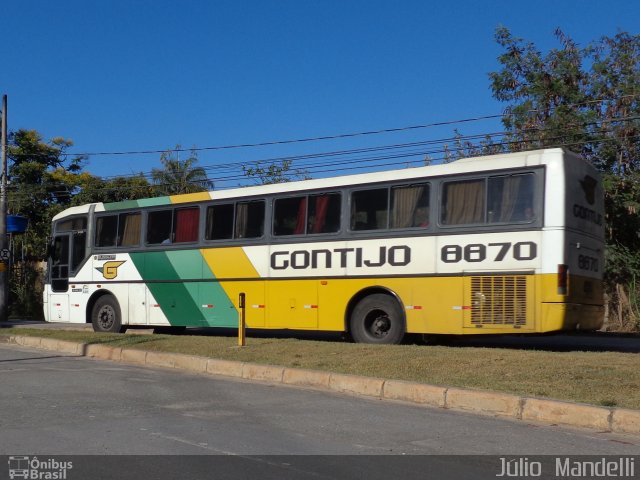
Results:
377 319
105 316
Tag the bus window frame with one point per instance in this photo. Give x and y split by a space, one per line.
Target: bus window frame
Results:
264 238
306 194
171 207
118 248
70 235
485 227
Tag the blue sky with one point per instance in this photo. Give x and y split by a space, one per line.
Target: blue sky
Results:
134 75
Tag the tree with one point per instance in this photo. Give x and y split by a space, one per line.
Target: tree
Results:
117 189
587 100
180 176
274 172
44 180
37 188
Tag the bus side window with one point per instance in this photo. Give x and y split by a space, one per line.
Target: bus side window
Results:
249 219
410 206
463 202
290 216
511 198
159 227
106 231
186 223
78 250
219 225
324 213
370 209
129 229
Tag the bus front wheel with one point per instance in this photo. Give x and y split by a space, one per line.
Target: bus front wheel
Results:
377 319
105 316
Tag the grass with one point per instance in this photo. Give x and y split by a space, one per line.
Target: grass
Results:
599 378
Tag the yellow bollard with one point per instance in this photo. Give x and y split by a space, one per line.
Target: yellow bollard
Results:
241 323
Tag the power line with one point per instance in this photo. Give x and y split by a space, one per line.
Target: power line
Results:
506 113
353 155
359 164
348 154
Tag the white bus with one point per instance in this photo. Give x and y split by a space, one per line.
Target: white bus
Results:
509 243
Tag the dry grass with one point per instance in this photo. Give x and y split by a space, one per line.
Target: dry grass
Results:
600 378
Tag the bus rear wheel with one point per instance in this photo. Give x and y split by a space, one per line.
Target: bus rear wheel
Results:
105 316
377 319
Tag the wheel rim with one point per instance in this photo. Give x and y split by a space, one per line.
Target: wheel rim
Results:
106 317
377 323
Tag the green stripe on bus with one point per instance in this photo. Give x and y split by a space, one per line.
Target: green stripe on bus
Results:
121 205
195 303
176 299
216 307
143 202
154 202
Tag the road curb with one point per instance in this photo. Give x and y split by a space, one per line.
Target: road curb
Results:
567 413
415 393
486 403
529 409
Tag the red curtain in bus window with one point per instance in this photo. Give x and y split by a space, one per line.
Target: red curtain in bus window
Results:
186 225
322 204
302 217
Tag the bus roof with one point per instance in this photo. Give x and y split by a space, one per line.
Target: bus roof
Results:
464 165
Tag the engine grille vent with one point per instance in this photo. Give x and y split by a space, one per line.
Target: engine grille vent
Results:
499 300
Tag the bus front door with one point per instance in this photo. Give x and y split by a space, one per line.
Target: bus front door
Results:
59 277
59 266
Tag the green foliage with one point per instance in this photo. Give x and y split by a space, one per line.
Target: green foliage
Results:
274 172
117 189
25 290
588 101
180 176
37 190
44 180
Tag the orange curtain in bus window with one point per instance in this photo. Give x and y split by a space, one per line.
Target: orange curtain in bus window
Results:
186 225
321 206
302 214
463 202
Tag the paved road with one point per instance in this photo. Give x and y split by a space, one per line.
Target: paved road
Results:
59 405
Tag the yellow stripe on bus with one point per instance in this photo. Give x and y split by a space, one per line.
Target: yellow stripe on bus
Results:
229 263
233 264
190 197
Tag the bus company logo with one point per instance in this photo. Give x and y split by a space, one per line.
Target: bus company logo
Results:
588 184
110 269
396 256
36 469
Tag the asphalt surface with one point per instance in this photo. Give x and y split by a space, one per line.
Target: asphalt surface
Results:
59 404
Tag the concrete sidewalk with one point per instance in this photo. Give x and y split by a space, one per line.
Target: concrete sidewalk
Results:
528 409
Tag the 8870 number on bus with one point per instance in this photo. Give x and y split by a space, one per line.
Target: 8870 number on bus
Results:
497 252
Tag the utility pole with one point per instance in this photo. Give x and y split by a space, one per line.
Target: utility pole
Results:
4 257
